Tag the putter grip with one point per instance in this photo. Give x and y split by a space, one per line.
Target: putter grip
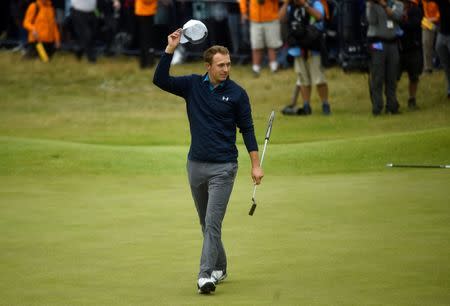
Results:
252 209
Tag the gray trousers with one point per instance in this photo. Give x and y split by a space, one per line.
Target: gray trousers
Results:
211 186
384 71
443 51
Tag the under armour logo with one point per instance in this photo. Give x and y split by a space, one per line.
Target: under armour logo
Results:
225 98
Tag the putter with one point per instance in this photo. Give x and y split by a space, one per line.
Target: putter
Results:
269 130
417 166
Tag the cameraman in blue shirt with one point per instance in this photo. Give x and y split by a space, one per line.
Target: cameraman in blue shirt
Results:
305 39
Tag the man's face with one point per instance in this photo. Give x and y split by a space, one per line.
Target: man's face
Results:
219 70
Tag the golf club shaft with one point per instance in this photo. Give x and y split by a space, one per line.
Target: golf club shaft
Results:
417 166
260 164
266 140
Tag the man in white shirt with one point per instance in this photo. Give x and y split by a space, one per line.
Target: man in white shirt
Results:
84 22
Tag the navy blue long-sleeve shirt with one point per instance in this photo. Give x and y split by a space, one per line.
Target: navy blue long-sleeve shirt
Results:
213 114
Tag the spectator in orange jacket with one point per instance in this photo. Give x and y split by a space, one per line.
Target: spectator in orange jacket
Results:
265 31
40 22
145 11
429 30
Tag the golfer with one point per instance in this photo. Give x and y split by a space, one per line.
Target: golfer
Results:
215 107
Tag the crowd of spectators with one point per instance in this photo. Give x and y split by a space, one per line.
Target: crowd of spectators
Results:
108 27
398 35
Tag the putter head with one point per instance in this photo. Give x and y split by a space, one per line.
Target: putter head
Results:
252 209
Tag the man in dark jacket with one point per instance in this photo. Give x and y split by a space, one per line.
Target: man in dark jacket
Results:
443 39
85 25
215 107
411 59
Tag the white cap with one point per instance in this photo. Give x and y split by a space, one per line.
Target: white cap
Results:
194 31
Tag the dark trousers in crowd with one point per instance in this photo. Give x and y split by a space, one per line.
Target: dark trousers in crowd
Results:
384 71
146 46
411 61
108 31
84 25
443 51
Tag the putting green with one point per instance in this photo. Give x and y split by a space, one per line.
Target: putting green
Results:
361 239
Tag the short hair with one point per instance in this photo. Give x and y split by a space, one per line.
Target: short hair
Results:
210 52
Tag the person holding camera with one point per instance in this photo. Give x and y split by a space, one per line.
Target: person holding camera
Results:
382 34
306 39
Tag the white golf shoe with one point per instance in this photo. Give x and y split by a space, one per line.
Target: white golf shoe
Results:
206 285
218 276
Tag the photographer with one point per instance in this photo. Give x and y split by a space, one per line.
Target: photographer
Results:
382 34
305 38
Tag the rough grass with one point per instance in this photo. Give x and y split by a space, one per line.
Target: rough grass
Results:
96 210
115 103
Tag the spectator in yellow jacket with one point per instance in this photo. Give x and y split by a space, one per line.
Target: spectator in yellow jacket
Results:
40 22
265 31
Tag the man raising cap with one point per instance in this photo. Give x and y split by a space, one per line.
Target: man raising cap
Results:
215 107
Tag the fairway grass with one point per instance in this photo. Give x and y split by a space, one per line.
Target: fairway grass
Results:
115 225
360 154
96 209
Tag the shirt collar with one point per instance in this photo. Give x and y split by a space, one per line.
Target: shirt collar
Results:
211 86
